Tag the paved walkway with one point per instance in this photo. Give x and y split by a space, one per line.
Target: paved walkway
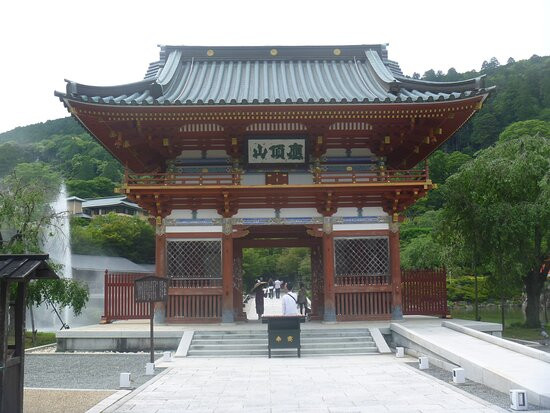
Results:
378 383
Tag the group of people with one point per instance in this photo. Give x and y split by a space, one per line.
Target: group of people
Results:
292 303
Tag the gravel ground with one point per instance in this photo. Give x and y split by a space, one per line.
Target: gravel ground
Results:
85 370
62 401
493 396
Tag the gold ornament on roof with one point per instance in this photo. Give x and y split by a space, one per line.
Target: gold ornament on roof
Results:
337 52
274 52
210 52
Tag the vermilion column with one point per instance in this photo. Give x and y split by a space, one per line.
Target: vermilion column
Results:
328 268
160 269
395 265
228 312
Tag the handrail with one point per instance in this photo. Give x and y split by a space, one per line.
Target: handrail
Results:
359 177
319 177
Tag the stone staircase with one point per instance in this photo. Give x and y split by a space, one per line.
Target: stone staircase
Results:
253 343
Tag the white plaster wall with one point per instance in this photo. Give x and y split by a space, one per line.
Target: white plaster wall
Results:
185 229
216 154
299 212
187 214
255 213
194 154
367 212
335 152
361 152
180 214
359 227
297 178
252 179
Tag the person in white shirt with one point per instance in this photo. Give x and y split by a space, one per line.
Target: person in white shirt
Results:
277 283
290 303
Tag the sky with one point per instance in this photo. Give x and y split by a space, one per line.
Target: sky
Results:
109 42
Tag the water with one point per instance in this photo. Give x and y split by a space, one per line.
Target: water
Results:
56 243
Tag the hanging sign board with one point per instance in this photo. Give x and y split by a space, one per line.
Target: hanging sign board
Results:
268 151
151 289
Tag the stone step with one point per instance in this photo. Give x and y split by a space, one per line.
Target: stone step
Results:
263 338
291 352
306 347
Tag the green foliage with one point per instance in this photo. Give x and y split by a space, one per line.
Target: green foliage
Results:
60 293
25 213
115 235
525 128
24 206
289 264
499 203
463 289
94 188
42 130
421 252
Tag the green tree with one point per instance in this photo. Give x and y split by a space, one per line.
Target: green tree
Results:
94 188
500 204
525 128
116 235
26 215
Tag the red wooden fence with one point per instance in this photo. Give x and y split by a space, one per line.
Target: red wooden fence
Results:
119 301
424 292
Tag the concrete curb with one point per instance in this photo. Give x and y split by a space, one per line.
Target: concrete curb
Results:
381 344
509 345
114 406
185 343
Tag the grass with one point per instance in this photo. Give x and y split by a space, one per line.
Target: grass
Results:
41 339
513 319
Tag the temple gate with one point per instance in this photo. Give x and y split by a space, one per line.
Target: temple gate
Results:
236 147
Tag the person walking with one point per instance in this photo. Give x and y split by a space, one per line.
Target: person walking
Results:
302 299
259 298
290 302
270 287
277 284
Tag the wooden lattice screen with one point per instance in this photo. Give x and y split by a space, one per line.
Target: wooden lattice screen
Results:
424 292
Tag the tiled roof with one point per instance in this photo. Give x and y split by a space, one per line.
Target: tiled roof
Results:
107 202
187 75
24 267
102 263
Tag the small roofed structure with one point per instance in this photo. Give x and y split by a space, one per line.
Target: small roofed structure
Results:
18 270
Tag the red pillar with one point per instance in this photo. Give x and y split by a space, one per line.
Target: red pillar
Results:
395 266
160 270
228 312
328 268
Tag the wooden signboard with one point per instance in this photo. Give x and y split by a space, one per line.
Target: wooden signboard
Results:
151 289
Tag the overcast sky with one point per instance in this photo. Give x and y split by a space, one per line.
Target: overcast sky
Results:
107 42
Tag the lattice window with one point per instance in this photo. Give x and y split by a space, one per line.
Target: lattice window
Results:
194 259
362 256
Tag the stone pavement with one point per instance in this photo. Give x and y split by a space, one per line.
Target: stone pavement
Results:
378 383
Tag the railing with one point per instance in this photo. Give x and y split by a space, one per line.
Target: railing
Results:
189 299
363 304
424 292
362 177
319 177
119 299
188 179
